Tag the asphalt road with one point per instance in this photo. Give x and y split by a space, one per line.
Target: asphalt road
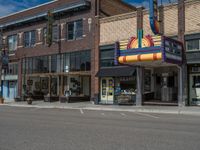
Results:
59 129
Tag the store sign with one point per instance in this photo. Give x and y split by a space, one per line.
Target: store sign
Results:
126 78
173 51
153 18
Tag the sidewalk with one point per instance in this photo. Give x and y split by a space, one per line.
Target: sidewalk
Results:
90 106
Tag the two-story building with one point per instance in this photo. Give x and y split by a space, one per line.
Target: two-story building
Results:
69 65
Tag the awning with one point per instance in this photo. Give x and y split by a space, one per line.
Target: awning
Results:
124 71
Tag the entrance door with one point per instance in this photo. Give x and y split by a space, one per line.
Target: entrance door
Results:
12 90
107 90
195 89
5 90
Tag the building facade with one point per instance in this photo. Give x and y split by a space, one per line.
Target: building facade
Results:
68 66
160 85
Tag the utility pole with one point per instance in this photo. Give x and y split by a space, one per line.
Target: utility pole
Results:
1 50
181 38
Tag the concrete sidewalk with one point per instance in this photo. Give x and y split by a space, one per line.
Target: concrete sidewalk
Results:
90 106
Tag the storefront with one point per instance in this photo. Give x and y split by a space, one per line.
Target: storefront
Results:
62 75
10 82
159 73
194 84
117 85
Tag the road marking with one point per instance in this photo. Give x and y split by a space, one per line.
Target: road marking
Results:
102 114
81 111
35 109
124 115
147 115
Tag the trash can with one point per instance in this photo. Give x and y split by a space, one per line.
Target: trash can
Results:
96 99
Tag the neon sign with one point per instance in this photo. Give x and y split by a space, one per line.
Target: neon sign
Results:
153 16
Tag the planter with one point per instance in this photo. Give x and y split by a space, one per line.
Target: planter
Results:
29 101
1 100
51 98
17 99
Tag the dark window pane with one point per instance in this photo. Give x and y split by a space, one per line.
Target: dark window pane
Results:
70 31
53 63
77 61
12 43
79 29
107 63
33 38
107 54
44 35
29 38
88 60
193 45
66 66
26 39
72 62
55 33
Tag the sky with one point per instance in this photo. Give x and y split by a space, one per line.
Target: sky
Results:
9 6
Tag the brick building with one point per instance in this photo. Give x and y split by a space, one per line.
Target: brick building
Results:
122 27
69 65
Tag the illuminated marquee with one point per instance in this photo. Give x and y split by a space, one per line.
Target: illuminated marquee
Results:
157 48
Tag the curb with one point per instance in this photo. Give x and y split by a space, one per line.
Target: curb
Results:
179 111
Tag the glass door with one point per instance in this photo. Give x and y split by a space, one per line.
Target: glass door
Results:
195 89
107 90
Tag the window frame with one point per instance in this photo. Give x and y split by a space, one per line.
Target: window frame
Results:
11 51
75 30
192 50
31 42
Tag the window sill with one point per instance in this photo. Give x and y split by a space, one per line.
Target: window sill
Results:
192 51
74 39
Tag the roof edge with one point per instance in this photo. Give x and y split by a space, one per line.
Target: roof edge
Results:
24 10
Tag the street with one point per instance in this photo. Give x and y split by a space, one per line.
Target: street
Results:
62 129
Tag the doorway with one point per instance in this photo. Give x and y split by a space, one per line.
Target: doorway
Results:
194 89
107 90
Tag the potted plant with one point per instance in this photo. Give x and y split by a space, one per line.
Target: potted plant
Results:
1 100
29 99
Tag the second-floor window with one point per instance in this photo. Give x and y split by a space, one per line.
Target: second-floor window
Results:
29 38
75 30
44 35
193 45
107 58
12 69
12 43
55 33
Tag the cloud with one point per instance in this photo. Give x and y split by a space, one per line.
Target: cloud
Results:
17 5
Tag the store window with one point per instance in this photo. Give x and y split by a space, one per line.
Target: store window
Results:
196 82
36 65
66 62
147 80
29 38
107 58
75 30
80 61
12 43
125 90
53 63
192 45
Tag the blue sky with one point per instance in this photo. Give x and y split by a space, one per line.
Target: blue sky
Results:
10 6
